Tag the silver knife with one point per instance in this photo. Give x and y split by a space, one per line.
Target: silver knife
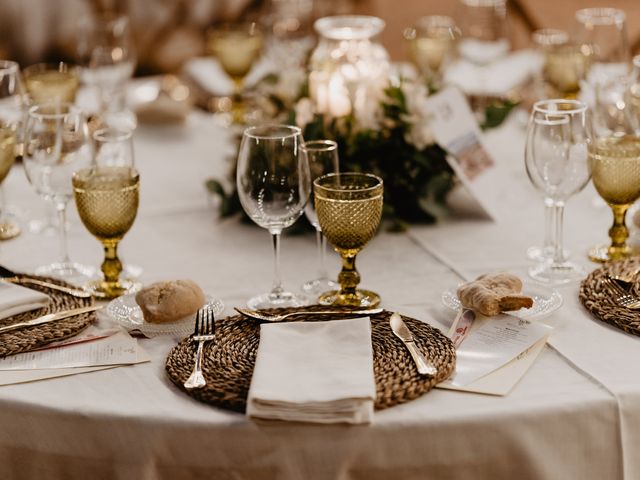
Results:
400 329
50 317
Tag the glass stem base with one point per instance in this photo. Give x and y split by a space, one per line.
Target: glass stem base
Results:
361 298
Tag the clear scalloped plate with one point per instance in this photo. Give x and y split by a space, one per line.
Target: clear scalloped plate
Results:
126 312
545 301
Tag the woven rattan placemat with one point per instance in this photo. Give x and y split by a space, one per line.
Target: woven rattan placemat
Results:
598 297
30 338
228 360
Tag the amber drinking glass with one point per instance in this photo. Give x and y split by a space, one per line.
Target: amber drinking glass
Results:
107 197
349 208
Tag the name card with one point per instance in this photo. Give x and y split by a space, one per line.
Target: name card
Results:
455 128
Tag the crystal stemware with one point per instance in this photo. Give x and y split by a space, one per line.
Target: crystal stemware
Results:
107 56
604 32
44 83
273 186
107 196
236 46
432 43
323 159
11 112
484 35
556 163
349 208
614 158
56 144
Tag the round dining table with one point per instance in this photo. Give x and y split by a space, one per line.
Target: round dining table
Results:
574 414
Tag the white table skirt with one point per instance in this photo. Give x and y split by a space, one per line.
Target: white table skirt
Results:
575 414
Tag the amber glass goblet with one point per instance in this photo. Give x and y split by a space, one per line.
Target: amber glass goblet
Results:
349 208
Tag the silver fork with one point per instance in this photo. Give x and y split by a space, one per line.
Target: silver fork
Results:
622 296
205 330
267 317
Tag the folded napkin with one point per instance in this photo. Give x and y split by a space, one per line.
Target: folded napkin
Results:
15 299
314 372
497 78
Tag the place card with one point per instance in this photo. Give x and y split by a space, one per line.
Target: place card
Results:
120 348
455 128
493 343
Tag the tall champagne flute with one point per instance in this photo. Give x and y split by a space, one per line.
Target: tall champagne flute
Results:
107 196
556 163
56 144
349 208
273 186
323 159
11 113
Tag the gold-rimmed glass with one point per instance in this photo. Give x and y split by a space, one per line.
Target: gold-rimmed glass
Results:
432 43
349 209
51 82
615 170
236 46
11 113
107 197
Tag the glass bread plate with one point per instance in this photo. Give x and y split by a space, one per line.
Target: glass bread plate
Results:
545 301
126 312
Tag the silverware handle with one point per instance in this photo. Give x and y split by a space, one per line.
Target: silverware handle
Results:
15 326
196 379
424 366
32 281
370 311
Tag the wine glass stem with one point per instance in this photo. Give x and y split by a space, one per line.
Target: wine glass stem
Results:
61 209
557 211
618 232
321 243
3 213
548 226
349 278
277 279
111 267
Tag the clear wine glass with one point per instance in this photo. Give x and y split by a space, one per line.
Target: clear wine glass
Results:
603 32
273 185
106 53
56 144
44 83
323 159
107 196
484 33
557 165
11 116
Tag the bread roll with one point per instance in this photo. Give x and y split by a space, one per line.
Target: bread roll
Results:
492 294
164 302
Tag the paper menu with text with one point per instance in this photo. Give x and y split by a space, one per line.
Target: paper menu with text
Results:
455 128
496 353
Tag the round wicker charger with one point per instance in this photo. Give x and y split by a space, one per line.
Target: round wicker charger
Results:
598 297
228 360
30 338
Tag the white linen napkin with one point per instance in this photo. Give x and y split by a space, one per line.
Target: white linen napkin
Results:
497 78
15 299
314 372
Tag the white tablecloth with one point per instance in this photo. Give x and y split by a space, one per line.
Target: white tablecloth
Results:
576 414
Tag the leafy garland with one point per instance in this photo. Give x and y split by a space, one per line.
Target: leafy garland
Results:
398 148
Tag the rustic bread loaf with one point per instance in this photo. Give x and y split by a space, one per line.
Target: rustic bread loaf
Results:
164 302
492 294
